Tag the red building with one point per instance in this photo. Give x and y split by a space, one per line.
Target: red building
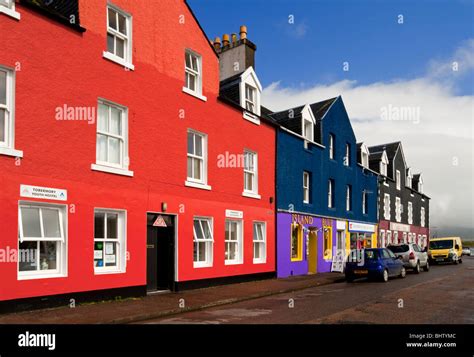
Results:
124 169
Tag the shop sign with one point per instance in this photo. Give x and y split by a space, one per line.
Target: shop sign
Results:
361 227
234 214
399 227
341 225
45 193
301 219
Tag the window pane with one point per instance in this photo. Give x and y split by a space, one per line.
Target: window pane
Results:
248 181
120 47
191 81
198 143
197 169
207 229
194 62
3 87
202 251
112 225
99 253
99 225
27 256
115 121
31 222
196 253
110 256
122 22
112 19
233 231
48 255
190 167
2 125
103 122
51 223
190 143
101 147
114 151
198 230
110 43
187 57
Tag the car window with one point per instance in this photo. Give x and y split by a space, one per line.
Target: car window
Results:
389 252
370 254
442 244
385 254
398 248
416 248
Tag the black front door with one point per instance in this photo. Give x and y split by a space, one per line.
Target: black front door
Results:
160 252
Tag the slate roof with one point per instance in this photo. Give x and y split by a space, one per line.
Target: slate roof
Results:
59 10
390 149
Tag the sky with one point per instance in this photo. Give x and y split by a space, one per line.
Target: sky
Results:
381 57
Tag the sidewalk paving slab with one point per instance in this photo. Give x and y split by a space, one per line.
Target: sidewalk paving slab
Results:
169 303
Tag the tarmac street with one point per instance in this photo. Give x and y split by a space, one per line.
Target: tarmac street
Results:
444 295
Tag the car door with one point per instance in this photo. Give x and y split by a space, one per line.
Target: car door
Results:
422 256
394 263
388 261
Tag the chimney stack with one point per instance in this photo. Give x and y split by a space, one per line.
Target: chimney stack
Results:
235 54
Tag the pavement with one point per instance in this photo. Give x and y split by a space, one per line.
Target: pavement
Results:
168 304
443 296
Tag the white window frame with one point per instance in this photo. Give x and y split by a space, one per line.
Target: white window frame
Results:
250 103
347 157
306 187
386 207
383 242
420 185
422 216
249 77
410 212
61 252
7 147
398 209
240 247
348 198
364 156
261 242
383 166
308 129
330 193
197 73
331 146
7 7
120 241
254 174
398 180
191 181
388 238
128 44
409 179
209 242
122 167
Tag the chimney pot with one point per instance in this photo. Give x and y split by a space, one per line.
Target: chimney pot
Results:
225 40
234 38
243 32
217 43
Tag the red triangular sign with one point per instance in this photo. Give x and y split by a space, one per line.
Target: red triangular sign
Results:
159 222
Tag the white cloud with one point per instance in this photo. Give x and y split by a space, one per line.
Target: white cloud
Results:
433 141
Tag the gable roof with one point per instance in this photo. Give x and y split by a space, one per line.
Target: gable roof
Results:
320 108
390 149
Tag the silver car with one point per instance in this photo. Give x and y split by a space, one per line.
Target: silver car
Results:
412 255
466 251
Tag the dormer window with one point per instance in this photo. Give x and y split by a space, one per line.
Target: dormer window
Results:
409 179
420 185
250 92
308 131
398 180
364 156
383 164
250 97
7 7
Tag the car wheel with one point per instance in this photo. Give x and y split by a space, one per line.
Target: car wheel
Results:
460 261
417 268
403 273
349 278
385 276
427 266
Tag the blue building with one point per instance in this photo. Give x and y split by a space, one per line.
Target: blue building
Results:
326 194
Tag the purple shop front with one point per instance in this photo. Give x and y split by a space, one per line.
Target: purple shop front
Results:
304 244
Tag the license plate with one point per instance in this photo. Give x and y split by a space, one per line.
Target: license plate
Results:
361 271
439 259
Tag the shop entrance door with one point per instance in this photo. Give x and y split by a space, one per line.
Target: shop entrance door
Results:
160 252
312 252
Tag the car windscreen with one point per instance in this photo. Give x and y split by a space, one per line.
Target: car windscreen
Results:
442 244
371 254
398 248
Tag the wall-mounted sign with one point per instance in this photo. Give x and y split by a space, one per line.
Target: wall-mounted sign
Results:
361 227
234 214
301 219
45 193
399 227
159 222
341 225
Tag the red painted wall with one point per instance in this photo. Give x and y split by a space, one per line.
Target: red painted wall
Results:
60 66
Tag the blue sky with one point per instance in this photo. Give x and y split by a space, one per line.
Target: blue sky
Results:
327 33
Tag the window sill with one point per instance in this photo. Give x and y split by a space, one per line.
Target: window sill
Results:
112 170
251 117
105 272
11 152
41 276
194 94
259 261
118 60
296 260
202 265
232 263
10 12
251 195
201 186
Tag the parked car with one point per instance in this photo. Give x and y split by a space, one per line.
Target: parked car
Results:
373 263
413 257
447 249
466 251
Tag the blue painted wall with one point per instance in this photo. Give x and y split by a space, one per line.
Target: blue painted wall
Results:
293 159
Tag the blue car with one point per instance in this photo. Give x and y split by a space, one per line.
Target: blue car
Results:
374 263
